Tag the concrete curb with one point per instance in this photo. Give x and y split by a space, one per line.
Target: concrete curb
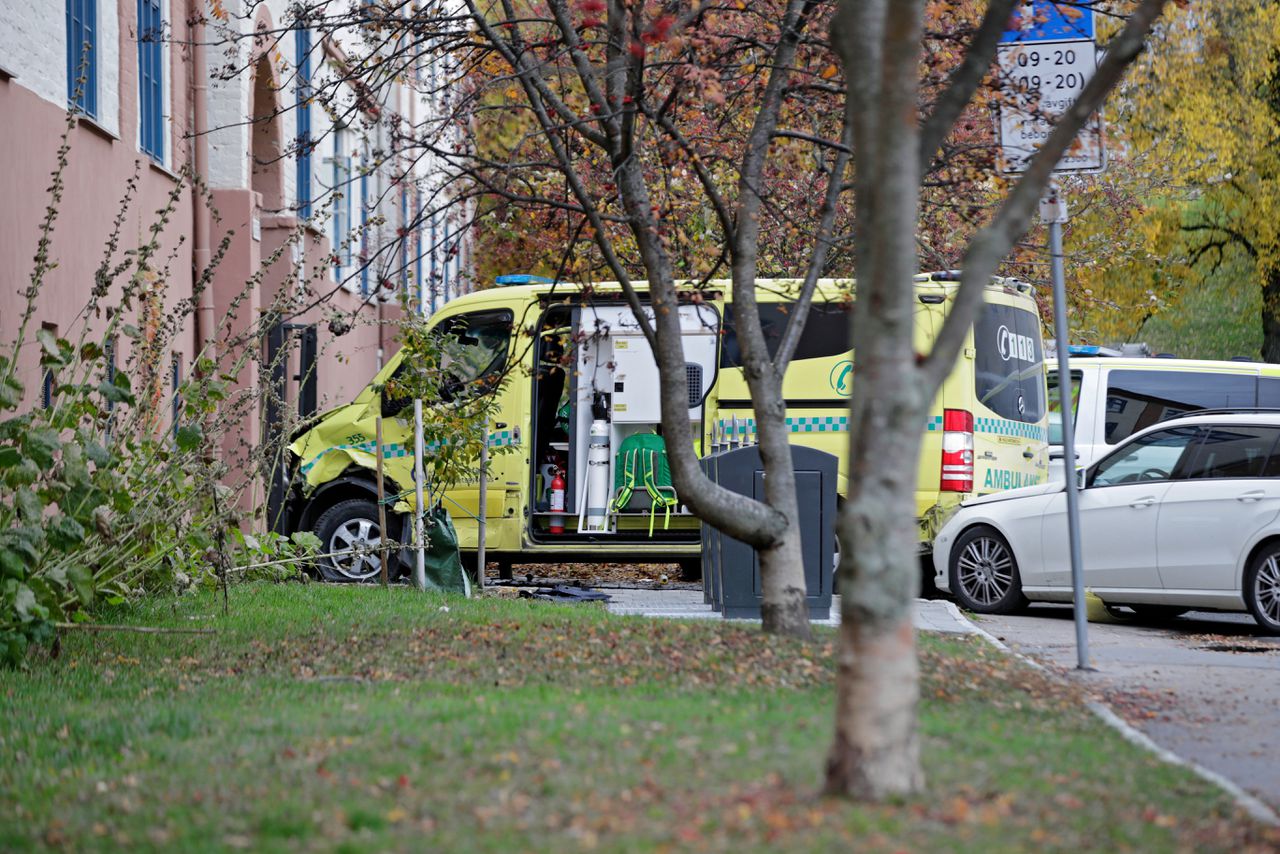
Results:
1245 801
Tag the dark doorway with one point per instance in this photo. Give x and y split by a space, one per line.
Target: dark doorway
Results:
290 375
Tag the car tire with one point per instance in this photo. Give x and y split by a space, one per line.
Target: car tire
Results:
1262 588
984 573
348 532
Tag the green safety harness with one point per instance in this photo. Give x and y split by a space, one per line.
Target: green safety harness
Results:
642 462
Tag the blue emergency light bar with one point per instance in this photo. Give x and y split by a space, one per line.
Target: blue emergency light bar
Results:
1084 350
523 279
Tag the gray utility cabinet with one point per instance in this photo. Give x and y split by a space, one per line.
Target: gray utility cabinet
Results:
731 569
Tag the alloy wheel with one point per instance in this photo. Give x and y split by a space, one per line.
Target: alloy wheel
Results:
1266 589
353 549
985 570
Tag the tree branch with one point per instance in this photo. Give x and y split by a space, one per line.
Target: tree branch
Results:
821 248
964 81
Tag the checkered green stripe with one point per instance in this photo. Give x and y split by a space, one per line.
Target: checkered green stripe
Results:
829 424
834 424
503 438
1005 427
499 439
820 424
393 450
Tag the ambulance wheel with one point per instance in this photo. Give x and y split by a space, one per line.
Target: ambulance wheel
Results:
348 533
984 573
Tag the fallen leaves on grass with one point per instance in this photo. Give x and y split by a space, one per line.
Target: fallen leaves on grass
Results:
964 670
537 650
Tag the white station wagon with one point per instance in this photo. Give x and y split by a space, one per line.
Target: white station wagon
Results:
1183 515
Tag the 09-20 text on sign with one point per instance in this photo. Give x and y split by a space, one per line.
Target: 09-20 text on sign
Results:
1043 69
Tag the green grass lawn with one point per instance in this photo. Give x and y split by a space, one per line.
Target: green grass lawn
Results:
362 719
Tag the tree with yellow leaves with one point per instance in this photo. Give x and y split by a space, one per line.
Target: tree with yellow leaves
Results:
1204 105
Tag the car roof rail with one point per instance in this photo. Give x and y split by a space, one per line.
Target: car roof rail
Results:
1225 410
939 276
954 276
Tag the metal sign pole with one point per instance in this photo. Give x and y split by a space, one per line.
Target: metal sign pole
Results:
484 510
1040 35
1053 210
419 513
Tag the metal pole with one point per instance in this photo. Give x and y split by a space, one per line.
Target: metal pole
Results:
382 500
420 567
1054 211
484 483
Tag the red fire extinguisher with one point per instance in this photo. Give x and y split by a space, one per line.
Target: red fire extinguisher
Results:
557 502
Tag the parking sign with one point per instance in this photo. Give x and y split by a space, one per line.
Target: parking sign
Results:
1045 59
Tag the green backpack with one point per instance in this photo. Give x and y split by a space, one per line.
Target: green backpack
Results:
641 461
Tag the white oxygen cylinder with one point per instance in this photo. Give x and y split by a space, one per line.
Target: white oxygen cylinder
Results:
598 491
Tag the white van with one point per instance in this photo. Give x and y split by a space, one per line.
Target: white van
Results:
1116 397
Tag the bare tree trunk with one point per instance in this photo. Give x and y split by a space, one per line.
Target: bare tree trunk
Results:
782 609
875 752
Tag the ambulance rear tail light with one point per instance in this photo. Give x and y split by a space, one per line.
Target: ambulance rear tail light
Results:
957 451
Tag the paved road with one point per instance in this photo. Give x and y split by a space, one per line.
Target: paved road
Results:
1204 686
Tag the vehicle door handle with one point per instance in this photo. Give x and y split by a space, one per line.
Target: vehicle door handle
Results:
1255 495
1028 455
1143 502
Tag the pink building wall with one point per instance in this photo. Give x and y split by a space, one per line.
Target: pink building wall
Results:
100 165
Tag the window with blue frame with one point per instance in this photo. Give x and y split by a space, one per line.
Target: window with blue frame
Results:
364 227
341 204
82 55
302 47
151 79
404 238
417 248
445 264
435 266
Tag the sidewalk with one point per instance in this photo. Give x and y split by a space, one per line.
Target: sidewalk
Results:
930 615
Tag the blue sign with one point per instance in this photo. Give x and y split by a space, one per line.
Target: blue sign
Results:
1042 20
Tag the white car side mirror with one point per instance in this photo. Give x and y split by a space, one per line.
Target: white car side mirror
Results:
1081 477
